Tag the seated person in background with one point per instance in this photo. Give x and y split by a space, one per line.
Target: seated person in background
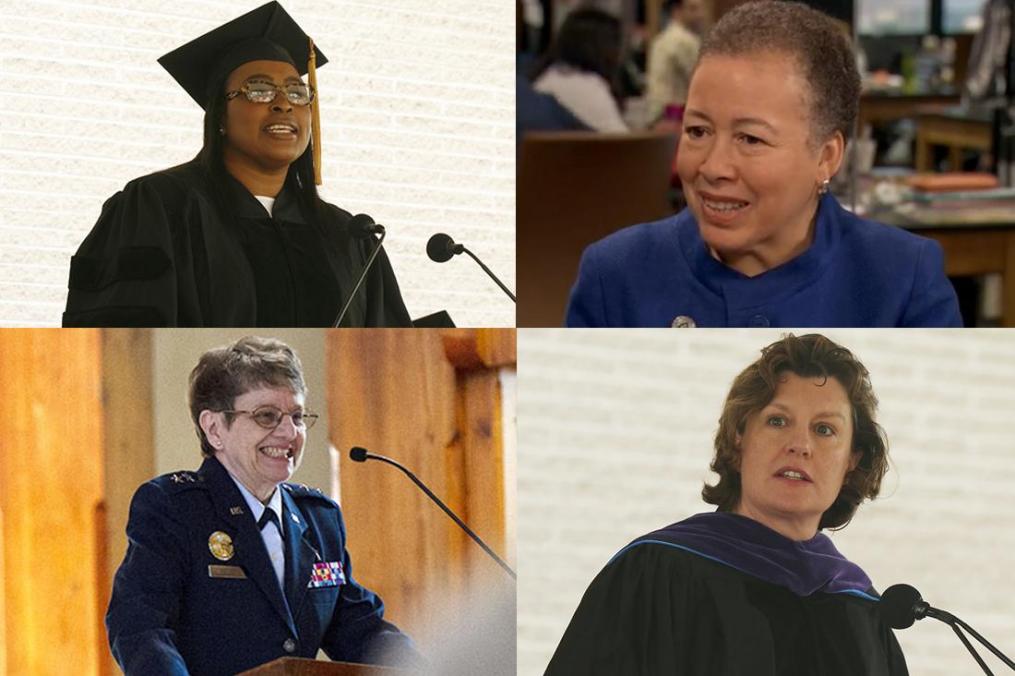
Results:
672 56
580 68
772 101
540 112
535 111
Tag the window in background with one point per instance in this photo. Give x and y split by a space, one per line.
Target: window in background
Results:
962 16
898 17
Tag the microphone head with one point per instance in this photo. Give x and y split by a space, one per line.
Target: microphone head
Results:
898 606
440 248
358 454
362 226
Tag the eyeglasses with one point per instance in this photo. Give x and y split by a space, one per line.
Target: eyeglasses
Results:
265 91
270 417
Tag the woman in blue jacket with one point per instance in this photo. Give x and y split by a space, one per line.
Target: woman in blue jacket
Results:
772 100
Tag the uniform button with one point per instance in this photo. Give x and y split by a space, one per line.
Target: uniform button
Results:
289 645
759 320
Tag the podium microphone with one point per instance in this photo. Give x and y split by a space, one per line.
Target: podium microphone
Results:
362 226
901 605
441 248
359 454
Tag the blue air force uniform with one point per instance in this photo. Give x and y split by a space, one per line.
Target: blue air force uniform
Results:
197 592
856 273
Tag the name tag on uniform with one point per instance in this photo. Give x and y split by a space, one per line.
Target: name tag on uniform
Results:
326 574
233 572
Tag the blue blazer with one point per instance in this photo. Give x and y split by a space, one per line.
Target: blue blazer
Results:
856 273
178 609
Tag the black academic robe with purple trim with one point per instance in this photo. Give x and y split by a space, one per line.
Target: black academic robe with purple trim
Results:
663 608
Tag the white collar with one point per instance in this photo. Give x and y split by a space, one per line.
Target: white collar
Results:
256 506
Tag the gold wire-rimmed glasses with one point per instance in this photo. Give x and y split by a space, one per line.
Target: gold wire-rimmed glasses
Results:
270 417
266 91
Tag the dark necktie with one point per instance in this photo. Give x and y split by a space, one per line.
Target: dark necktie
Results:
269 516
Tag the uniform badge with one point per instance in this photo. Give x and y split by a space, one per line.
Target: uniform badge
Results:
220 545
326 574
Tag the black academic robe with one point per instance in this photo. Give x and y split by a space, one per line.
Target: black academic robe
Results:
657 609
161 255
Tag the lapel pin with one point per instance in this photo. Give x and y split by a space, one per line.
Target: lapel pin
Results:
220 545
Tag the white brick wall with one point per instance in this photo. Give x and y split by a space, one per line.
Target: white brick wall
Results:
615 437
417 124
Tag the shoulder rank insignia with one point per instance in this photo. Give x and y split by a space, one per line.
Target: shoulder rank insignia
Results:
220 545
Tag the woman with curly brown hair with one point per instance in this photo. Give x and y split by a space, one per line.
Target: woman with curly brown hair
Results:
755 587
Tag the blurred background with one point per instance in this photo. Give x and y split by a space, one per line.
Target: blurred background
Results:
616 435
934 148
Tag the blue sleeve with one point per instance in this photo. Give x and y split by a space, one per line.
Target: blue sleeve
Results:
358 632
932 301
587 305
144 607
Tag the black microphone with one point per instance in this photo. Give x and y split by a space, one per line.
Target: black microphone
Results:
359 454
441 248
901 605
362 226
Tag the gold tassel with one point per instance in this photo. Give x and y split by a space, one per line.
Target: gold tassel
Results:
315 113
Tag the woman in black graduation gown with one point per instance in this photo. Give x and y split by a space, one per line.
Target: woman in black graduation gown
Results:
755 588
238 236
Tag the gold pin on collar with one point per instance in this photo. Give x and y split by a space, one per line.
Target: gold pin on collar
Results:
220 545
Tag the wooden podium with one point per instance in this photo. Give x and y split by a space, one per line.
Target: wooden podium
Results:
297 666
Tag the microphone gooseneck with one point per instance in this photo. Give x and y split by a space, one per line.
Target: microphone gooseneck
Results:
441 248
362 226
360 454
901 605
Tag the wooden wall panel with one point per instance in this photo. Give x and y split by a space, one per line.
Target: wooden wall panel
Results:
3 582
392 392
431 400
129 448
483 453
51 473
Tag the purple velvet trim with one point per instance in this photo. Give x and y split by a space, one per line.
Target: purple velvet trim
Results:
804 568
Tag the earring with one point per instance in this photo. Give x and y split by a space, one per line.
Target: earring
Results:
823 188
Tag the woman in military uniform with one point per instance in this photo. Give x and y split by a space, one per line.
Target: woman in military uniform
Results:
230 567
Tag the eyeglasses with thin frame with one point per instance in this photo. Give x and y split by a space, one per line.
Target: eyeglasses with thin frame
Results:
266 91
270 417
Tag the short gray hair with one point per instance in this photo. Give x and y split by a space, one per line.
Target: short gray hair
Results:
813 39
224 373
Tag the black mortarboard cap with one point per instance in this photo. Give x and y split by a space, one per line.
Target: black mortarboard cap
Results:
267 33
